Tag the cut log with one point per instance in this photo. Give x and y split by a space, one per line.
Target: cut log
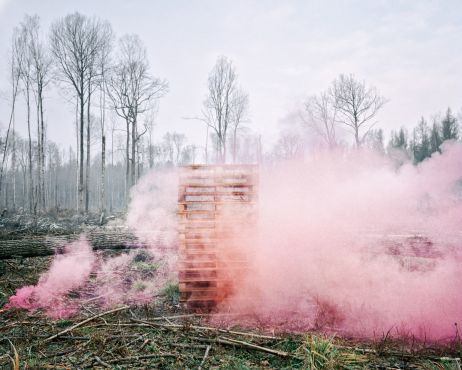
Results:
40 246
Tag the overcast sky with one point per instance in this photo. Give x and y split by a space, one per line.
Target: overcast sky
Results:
283 51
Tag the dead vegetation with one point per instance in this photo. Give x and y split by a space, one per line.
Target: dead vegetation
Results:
162 335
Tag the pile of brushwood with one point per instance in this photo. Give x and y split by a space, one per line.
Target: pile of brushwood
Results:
50 223
164 335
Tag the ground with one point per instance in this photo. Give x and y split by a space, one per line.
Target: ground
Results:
165 335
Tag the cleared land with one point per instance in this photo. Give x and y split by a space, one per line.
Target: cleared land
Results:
164 335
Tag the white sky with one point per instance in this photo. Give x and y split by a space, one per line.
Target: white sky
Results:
283 50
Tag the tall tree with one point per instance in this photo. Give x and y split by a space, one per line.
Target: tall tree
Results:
103 68
289 146
15 75
356 105
225 105
240 107
435 138
397 148
420 146
41 63
76 43
449 130
132 90
320 114
24 63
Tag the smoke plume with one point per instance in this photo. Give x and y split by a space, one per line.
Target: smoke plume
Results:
346 242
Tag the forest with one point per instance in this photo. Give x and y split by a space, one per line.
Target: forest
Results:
115 95
332 243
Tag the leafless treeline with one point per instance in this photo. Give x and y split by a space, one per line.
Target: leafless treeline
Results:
108 82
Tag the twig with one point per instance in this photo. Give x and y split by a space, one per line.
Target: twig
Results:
239 343
84 322
207 350
142 357
185 316
101 362
146 341
15 361
254 346
194 346
206 328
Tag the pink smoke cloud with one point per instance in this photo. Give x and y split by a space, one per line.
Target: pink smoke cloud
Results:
338 246
68 272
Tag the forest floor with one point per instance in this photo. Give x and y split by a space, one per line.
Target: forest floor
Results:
164 335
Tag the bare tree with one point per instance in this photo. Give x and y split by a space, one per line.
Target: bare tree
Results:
132 89
41 63
24 63
103 66
178 141
225 104
320 115
290 145
97 81
76 43
240 106
356 105
14 80
149 124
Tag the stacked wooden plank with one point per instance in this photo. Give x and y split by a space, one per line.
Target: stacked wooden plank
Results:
216 209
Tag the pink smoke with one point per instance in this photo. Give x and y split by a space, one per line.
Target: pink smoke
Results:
135 277
345 242
68 272
339 247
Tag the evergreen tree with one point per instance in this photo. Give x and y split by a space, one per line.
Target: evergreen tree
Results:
397 148
398 140
435 138
421 147
402 139
450 130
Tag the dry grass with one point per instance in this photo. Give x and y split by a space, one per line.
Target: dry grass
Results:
165 336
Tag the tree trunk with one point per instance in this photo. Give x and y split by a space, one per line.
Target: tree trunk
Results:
39 159
31 183
77 173
133 164
87 176
82 121
13 163
234 144
127 168
103 171
15 84
112 167
50 245
42 145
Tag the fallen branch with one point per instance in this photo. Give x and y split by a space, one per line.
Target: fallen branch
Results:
101 362
239 343
185 316
207 350
256 347
141 357
206 328
15 361
65 331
